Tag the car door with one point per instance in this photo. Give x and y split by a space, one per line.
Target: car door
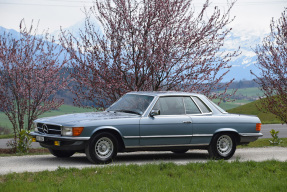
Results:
204 123
171 127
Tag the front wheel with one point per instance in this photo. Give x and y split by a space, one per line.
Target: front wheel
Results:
61 153
222 146
102 148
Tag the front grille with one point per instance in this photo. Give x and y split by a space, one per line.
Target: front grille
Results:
49 129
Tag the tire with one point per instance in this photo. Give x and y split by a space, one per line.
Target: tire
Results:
222 146
61 153
102 148
180 151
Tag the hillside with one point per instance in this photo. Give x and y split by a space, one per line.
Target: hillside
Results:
251 109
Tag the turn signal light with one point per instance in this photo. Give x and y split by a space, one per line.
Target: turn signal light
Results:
77 131
258 126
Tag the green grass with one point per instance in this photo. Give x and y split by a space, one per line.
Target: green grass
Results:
210 176
264 143
231 105
251 109
251 93
247 92
6 136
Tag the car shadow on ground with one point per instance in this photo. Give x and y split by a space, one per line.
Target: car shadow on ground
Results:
139 157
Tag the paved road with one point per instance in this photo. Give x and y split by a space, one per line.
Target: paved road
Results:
48 162
265 130
277 127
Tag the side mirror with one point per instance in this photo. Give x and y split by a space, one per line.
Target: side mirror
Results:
154 112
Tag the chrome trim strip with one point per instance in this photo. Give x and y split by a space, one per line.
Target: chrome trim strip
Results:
55 136
131 137
202 135
251 134
156 136
54 124
180 145
167 136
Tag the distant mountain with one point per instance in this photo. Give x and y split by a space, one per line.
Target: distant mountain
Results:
75 29
12 31
241 65
15 34
246 62
241 68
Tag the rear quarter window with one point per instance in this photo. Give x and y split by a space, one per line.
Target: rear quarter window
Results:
201 105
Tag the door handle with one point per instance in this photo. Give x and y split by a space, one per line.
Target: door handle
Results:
186 121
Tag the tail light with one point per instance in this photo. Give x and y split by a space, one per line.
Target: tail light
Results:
258 126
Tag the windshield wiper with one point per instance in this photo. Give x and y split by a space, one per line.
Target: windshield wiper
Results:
129 111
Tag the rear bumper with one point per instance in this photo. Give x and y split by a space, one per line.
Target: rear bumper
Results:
249 137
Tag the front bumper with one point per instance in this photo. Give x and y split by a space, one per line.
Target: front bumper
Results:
58 137
58 142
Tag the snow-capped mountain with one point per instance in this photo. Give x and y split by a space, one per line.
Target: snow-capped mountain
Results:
246 61
241 65
75 29
13 32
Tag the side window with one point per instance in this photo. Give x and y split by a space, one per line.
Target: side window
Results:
170 106
201 105
190 106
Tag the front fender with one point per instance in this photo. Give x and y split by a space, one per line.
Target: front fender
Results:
102 128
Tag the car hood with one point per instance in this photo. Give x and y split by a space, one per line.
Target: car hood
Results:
76 118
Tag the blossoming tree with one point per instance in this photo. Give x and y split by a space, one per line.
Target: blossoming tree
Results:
30 76
149 45
272 62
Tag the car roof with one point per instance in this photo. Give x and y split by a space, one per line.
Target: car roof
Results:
164 93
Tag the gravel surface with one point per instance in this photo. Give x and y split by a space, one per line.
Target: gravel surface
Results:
37 163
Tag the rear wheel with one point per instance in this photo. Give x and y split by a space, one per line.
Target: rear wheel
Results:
61 153
102 148
222 146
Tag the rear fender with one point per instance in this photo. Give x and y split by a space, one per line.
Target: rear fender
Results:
229 130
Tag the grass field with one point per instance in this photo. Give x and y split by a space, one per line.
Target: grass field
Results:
248 92
252 93
251 109
231 105
210 176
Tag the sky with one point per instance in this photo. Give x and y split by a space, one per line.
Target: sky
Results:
252 16
251 24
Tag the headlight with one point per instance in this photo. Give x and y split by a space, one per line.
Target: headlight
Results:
67 131
72 131
35 127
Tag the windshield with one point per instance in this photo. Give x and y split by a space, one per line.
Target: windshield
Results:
132 103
